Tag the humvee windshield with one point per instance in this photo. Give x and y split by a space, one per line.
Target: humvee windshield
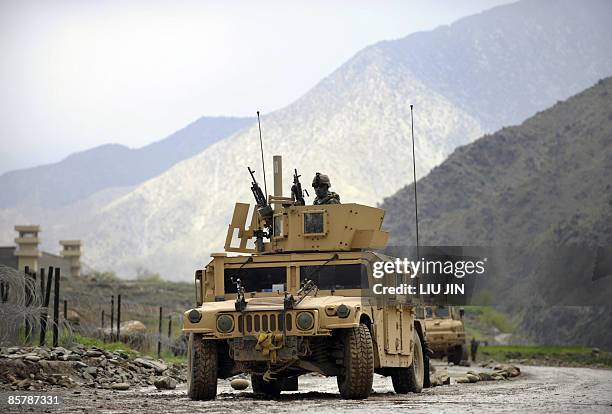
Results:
442 312
257 279
334 277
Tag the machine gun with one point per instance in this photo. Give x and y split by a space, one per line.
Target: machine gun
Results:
260 199
264 210
297 194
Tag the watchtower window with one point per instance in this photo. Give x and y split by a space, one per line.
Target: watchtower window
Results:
314 223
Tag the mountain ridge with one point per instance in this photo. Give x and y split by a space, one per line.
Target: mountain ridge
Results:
84 173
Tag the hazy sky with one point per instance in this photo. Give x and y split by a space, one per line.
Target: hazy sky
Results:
80 73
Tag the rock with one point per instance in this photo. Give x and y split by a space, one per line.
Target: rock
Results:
31 357
159 367
42 353
93 353
164 383
462 380
121 386
485 376
15 356
93 371
472 377
240 384
507 370
13 350
58 350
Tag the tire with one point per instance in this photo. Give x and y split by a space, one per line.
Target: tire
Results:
201 368
411 379
456 355
270 388
357 375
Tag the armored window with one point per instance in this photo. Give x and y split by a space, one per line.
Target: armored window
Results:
256 279
333 277
277 228
314 223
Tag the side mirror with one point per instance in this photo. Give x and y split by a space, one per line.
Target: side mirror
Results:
461 312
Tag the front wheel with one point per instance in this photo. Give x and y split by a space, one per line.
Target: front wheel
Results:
201 368
357 373
411 379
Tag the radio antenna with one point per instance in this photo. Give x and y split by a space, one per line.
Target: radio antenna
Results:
263 163
416 204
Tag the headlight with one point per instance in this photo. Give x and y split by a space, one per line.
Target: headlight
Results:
304 321
343 311
194 316
225 323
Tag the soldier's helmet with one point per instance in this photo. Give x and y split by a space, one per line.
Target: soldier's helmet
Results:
320 180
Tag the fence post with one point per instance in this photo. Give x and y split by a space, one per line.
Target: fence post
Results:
160 333
102 322
118 317
45 310
112 321
56 308
169 326
65 311
26 293
41 339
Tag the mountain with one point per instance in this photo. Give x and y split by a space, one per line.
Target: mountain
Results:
540 192
464 79
111 165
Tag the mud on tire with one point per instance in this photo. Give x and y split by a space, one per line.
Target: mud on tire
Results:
270 388
411 379
201 368
357 374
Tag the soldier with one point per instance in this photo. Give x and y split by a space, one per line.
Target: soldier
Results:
321 185
474 348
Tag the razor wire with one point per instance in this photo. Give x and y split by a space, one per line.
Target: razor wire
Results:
21 306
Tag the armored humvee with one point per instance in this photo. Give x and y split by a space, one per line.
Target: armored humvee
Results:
297 302
446 332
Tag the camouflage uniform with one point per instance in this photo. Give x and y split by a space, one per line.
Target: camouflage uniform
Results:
321 184
331 198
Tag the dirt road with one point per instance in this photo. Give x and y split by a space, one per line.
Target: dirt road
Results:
543 389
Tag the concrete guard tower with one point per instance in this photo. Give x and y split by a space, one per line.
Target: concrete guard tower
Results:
27 247
71 250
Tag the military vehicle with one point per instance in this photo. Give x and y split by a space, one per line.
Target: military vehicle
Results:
297 302
446 332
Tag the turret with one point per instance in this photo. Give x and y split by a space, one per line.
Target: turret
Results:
297 228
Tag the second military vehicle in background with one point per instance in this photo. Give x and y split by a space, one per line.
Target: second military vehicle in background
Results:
446 333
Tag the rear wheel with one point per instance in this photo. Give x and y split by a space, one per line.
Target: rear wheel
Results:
411 379
457 354
270 388
357 373
201 368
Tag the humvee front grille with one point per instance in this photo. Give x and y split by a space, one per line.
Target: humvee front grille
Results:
255 322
